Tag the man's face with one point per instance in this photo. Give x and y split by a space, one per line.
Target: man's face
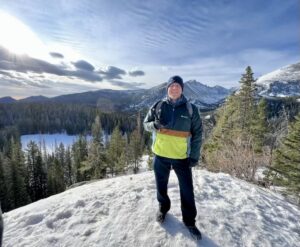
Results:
174 91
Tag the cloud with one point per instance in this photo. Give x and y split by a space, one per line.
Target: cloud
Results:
127 85
112 72
56 55
9 82
5 73
86 75
136 73
36 84
23 63
84 65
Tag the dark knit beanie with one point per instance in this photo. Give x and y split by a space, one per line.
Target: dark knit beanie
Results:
175 79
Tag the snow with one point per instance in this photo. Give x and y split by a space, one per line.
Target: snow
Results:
284 75
284 82
121 212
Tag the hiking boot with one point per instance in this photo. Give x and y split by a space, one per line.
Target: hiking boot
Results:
160 217
195 233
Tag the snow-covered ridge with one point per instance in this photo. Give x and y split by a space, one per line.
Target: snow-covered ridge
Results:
284 82
121 212
195 90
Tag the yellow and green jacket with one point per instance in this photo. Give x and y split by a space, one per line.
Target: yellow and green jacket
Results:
182 134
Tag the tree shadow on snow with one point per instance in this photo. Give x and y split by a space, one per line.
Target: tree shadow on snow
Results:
173 226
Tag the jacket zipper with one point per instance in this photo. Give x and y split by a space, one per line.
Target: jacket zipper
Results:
173 117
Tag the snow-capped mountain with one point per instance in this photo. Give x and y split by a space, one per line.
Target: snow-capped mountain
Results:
284 82
203 96
121 212
210 95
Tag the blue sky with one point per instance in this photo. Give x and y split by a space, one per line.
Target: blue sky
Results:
65 46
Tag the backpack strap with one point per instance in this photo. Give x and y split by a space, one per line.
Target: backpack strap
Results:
189 107
158 109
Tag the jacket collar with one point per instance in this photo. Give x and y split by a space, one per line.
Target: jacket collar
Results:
180 101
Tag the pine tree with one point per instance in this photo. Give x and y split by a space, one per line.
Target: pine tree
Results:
55 176
5 199
238 133
69 171
37 177
137 144
259 126
246 102
96 154
64 161
17 186
115 152
286 167
80 154
136 149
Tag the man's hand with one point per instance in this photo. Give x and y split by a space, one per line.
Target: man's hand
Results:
192 162
157 124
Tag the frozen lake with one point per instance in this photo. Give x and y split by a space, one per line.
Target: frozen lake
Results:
51 140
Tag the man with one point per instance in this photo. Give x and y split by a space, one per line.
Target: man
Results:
177 132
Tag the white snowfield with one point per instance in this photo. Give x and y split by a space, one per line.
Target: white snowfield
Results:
121 212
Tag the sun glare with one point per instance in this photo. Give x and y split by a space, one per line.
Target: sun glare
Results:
18 38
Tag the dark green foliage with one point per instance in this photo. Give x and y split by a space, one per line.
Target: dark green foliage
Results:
31 118
6 133
286 166
69 172
245 102
96 154
4 193
16 184
239 132
259 127
115 153
136 146
135 150
36 172
80 155
55 176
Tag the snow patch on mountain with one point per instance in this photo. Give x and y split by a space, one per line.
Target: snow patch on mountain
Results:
284 82
209 95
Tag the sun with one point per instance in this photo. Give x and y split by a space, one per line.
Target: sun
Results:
19 38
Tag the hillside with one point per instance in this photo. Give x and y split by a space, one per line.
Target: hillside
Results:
283 82
121 212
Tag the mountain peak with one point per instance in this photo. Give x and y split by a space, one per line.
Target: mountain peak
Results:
283 82
7 99
121 212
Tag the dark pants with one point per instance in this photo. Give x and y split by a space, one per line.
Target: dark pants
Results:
162 167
